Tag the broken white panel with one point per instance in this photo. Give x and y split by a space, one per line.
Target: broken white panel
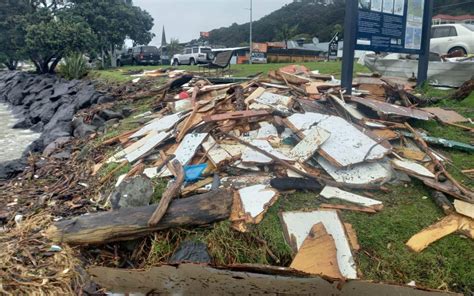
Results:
413 167
305 121
364 173
238 164
147 144
348 145
215 152
160 124
247 180
120 180
464 208
352 110
310 144
185 151
271 99
266 131
254 199
299 224
252 156
235 151
293 174
334 192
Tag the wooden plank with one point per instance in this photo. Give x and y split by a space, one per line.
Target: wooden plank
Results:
412 168
410 153
255 95
390 109
236 115
446 116
132 223
216 154
352 236
348 208
297 226
159 125
251 156
333 192
446 226
147 144
464 208
198 279
318 254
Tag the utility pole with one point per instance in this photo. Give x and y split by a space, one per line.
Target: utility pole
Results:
251 28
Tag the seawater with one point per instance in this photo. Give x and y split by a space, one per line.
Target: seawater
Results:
12 141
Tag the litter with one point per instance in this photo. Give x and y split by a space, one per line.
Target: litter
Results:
332 192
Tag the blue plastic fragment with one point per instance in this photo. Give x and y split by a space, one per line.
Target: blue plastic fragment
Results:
193 173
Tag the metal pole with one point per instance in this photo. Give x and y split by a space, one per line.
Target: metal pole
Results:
251 28
424 58
350 24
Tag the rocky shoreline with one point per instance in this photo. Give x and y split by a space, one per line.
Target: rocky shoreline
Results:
47 104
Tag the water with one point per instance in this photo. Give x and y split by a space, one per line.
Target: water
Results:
12 141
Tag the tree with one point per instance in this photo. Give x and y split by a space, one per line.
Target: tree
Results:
286 32
173 47
113 21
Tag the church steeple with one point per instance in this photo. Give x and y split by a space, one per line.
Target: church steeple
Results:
163 37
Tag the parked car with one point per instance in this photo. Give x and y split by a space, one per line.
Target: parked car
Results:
193 55
452 37
140 55
259 58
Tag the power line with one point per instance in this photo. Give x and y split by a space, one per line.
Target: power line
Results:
456 4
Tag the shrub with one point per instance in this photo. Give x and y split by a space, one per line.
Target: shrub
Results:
74 67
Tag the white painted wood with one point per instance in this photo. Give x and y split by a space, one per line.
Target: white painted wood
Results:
252 156
464 208
267 131
254 199
413 167
364 173
161 124
147 144
352 110
215 152
310 144
348 145
299 224
333 192
305 121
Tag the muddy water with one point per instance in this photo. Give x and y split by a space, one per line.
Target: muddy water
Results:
12 141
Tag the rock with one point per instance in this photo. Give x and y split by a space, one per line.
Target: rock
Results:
98 121
191 252
135 192
83 130
83 98
23 124
55 145
105 100
37 128
12 168
112 122
62 155
109 114
127 111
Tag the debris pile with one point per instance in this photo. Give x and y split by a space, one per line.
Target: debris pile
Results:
229 151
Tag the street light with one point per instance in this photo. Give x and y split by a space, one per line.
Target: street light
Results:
251 25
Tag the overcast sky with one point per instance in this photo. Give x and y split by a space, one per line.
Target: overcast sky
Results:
184 19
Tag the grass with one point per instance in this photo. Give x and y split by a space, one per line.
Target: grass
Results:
447 264
119 74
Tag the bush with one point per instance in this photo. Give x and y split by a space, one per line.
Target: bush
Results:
74 67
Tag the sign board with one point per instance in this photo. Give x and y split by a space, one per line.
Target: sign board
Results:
333 47
390 25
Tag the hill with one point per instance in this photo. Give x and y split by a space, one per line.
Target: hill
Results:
310 19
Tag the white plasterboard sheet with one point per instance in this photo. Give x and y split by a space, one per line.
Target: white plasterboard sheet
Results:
234 150
352 110
348 145
364 173
254 199
299 224
215 152
267 131
252 156
310 144
271 99
185 151
333 192
305 121
161 124
148 143
413 167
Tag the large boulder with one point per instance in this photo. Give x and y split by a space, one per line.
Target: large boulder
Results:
134 192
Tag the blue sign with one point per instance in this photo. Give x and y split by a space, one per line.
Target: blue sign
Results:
390 25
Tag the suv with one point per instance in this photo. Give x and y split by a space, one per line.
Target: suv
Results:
452 37
193 55
140 55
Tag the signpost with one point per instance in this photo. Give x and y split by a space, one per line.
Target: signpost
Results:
401 26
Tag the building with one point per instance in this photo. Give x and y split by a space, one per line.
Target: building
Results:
441 19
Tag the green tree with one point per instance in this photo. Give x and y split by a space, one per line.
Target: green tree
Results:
173 47
113 21
285 33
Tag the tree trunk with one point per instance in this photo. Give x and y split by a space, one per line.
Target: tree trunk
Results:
11 64
113 58
131 223
52 69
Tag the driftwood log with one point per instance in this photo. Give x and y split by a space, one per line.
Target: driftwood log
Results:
132 223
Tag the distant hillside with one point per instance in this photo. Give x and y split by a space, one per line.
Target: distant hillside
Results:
312 20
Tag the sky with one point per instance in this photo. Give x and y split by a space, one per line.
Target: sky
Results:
185 19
